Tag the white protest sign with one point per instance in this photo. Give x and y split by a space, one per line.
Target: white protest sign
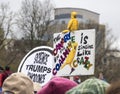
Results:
74 53
37 64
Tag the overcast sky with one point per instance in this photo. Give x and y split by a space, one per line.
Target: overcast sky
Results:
109 11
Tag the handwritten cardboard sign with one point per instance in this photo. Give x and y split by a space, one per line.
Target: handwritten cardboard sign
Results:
74 53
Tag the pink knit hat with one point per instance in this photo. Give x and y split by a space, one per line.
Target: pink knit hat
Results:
57 85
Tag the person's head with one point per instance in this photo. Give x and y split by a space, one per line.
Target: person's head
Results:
57 85
114 88
7 68
73 14
90 86
101 75
1 71
76 77
18 83
1 68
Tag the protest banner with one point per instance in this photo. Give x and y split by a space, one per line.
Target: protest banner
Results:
37 64
74 53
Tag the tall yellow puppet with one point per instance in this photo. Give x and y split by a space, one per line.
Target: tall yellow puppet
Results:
71 27
72 24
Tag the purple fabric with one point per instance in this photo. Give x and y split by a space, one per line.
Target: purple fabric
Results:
57 85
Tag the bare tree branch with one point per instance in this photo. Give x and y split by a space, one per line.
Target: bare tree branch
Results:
34 19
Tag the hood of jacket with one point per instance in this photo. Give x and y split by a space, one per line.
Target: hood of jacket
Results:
73 14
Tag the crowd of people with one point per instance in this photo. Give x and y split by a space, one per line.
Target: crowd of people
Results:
19 83
4 73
